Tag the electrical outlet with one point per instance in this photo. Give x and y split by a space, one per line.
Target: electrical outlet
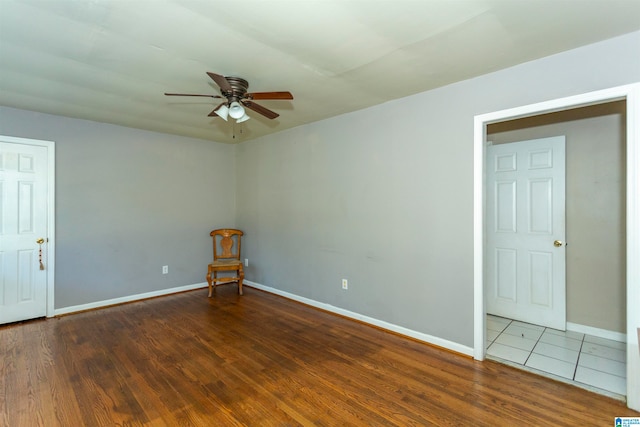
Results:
246 262
345 284
165 269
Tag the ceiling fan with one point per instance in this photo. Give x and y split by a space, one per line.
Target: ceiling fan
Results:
234 89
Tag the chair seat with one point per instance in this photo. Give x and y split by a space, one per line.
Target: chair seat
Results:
225 263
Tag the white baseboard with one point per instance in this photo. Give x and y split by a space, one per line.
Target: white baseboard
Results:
597 332
129 298
449 345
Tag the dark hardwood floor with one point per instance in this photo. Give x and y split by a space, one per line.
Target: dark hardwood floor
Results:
261 360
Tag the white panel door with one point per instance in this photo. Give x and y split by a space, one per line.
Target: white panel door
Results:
23 220
526 231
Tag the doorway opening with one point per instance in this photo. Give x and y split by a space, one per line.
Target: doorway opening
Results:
591 352
629 96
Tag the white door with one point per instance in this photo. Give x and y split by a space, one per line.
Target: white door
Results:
526 231
23 220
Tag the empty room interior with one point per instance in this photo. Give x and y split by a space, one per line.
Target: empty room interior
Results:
438 205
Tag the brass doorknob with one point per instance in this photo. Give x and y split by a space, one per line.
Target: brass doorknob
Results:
557 243
40 241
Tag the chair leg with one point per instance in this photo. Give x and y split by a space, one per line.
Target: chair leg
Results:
209 280
240 279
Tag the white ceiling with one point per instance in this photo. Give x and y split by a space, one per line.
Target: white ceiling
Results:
112 60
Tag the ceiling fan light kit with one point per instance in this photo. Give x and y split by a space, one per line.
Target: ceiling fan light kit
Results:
234 89
243 119
235 110
222 112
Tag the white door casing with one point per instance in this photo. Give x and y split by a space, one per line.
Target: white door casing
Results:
26 290
525 211
631 95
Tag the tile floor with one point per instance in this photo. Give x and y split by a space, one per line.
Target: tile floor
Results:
598 363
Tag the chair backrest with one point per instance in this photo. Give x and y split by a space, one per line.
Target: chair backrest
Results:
226 243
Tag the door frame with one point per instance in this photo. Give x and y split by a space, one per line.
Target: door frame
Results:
51 223
631 95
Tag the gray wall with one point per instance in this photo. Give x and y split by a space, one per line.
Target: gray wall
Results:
127 203
595 203
384 196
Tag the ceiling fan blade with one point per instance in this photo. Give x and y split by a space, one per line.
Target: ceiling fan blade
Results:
220 81
269 95
191 94
213 113
260 109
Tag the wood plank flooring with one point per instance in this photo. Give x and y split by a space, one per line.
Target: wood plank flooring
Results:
261 360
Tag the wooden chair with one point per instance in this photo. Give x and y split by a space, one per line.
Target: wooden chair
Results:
226 257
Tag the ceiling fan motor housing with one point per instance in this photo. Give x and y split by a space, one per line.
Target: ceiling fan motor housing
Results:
239 88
